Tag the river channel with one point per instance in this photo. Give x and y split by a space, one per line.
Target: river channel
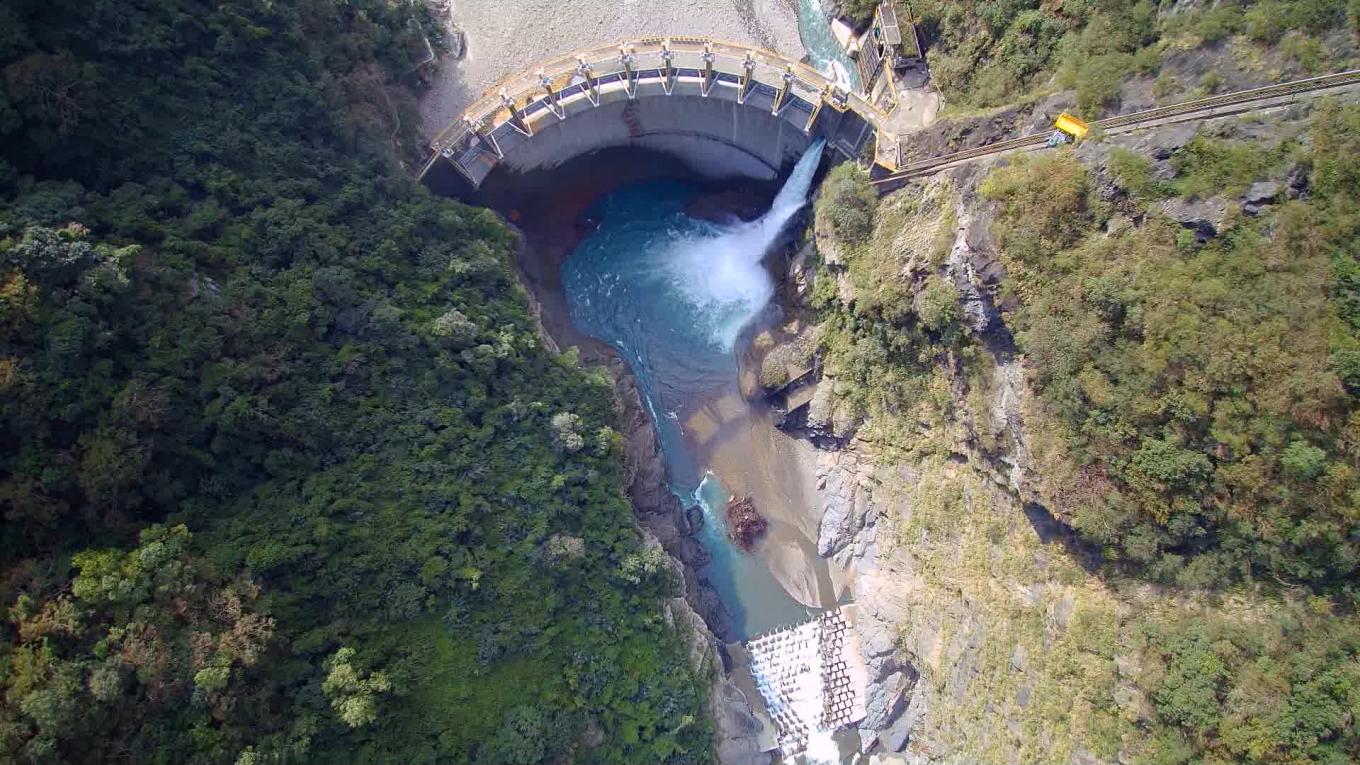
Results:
675 295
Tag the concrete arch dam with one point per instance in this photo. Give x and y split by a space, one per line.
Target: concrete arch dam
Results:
724 109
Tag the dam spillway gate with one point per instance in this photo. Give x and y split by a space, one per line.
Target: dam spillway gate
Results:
673 89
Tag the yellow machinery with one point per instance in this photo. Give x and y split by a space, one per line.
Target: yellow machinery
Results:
1073 127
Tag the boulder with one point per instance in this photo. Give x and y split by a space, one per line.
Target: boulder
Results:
884 702
1161 143
868 739
714 611
1203 216
694 519
1259 196
820 407
878 645
837 527
1298 183
744 525
844 505
736 729
895 737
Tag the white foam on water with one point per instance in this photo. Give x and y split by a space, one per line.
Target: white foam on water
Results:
842 75
822 749
720 275
788 673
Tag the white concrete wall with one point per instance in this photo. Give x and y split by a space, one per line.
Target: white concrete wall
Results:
715 137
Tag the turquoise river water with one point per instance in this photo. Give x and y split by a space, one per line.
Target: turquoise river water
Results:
672 293
825 54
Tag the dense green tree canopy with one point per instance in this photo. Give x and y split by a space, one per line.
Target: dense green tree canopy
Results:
230 324
986 53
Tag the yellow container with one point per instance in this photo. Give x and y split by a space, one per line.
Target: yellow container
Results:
1071 125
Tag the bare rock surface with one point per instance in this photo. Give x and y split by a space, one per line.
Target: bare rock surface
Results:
977 310
736 729
843 497
1259 196
658 511
931 647
1204 217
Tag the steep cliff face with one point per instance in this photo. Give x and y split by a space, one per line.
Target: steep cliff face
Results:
699 613
992 631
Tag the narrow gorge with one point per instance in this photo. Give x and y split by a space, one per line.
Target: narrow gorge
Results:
749 382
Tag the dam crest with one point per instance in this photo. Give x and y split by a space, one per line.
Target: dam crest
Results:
723 108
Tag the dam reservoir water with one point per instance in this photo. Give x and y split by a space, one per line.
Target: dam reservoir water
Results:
672 293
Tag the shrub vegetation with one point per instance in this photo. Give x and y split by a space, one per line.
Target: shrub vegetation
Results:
985 53
1191 414
1199 402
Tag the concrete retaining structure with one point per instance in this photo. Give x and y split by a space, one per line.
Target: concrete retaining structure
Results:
810 677
724 109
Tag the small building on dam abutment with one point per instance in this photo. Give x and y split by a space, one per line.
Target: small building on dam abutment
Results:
723 109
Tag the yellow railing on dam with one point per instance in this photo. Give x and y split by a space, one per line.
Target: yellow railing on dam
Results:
630 62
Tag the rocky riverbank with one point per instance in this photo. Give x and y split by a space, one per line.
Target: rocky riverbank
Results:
925 626
697 611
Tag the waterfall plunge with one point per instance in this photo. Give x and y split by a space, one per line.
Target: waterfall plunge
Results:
720 274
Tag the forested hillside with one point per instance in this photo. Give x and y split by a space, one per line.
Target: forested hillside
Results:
986 53
1163 374
286 475
1198 408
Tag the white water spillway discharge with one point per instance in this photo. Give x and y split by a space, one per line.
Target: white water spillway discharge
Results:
812 682
720 273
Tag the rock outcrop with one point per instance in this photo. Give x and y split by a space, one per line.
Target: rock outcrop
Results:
1203 217
962 267
736 729
700 614
657 509
955 646
1259 196
843 497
